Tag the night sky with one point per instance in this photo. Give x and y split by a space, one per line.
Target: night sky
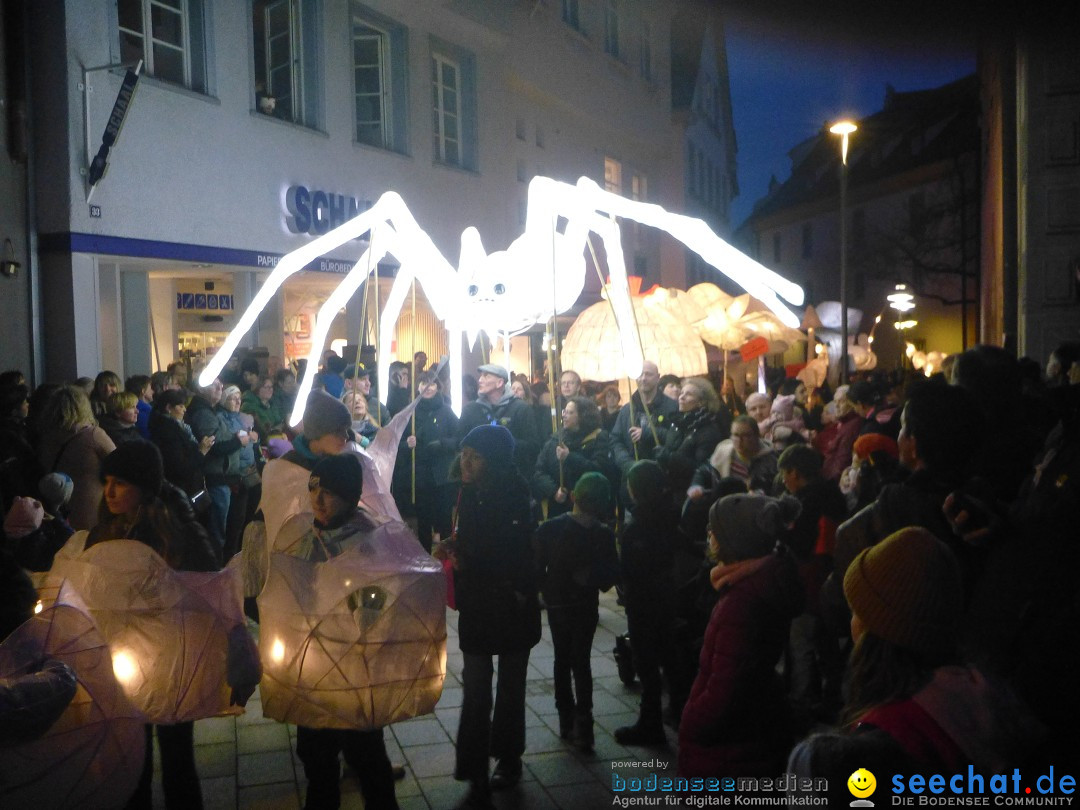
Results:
792 70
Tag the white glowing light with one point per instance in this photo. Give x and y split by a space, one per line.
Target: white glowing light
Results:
124 667
541 274
901 299
277 651
843 129
38 607
906 324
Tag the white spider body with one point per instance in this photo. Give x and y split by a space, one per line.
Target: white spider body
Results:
540 274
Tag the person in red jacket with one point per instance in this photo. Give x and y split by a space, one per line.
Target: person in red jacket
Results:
735 720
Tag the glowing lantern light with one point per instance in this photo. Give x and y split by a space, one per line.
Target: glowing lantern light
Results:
124 667
539 275
901 299
38 606
277 651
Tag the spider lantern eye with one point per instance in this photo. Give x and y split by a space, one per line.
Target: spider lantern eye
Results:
500 289
473 289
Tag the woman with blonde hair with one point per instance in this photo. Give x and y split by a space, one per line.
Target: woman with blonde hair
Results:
701 424
72 443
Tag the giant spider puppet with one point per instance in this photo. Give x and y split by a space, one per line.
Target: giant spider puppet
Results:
503 293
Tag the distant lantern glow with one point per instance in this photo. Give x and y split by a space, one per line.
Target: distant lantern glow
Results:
277 651
843 129
901 299
38 607
906 324
541 274
124 667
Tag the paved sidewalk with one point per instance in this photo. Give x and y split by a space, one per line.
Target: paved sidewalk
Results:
250 761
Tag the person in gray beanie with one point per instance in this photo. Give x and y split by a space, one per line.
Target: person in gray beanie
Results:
735 720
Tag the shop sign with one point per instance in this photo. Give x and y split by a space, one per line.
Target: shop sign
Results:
316 212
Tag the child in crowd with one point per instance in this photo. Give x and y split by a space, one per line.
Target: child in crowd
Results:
576 559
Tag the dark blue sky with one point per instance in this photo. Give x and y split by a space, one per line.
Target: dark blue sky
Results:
785 84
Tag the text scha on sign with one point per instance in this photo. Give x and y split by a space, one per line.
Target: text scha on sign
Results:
316 211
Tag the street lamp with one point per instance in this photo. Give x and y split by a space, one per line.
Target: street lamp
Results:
843 129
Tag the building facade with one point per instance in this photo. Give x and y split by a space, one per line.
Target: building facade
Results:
259 124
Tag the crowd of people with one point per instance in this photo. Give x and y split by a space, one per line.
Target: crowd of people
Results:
818 580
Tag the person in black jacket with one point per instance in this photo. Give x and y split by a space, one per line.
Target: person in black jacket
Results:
181 452
701 424
496 405
582 446
495 588
433 447
643 422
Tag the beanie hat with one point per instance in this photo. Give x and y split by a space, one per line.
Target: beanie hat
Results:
324 414
647 481
783 407
341 475
748 526
494 442
229 391
138 462
592 493
55 490
907 591
870 443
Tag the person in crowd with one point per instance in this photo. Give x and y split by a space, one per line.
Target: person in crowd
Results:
813 664
362 426
498 605
759 406
332 378
335 487
72 443
784 415
581 446
875 462
1063 365
646 564
695 432
19 466
869 403
433 446
249 374
569 386
643 422
420 360
259 402
241 471
496 405
910 707
139 385
284 392
836 440
180 373
735 404
139 504
530 394
735 719
230 374
378 413
575 560
744 454
106 384
182 454
161 381
670 386
610 402
400 387
120 421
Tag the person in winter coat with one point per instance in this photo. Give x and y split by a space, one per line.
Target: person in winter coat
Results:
734 722
911 708
139 504
72 443
19 466
435 444
575 559
837 439
242 474
643 422
121 417
582 446
743 455
496 405
259 402
702 423
646 565
498 607
182 454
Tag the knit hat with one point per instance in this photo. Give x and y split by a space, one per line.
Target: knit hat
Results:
55 490
324 414
341 475
494 442
747 526
870 443
907 591
229 391
647 481
497 370
592 493
138 462
783 408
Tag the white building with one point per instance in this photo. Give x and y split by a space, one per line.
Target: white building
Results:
257 120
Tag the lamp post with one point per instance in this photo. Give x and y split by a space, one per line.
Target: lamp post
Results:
843 129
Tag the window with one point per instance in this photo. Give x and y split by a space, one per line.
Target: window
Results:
285 59
168 36
611 28
807 240
776 248
453 85
612 176
570 14
379 48
645 51
638 187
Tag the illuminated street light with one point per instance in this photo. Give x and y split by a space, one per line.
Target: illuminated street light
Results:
843 129
901 299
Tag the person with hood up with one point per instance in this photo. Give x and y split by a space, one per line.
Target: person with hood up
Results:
735 719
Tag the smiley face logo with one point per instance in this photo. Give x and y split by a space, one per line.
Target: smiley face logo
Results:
862 783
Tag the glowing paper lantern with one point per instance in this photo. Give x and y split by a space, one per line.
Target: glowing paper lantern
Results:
356 642
723 326
167 630
92 755
539 275
592 347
